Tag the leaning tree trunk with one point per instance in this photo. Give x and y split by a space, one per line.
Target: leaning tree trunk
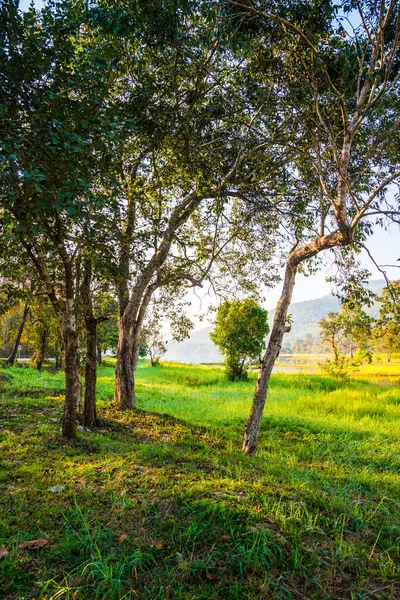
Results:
264 373
279 328
72 374
13 355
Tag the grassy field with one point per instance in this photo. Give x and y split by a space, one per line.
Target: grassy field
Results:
161 503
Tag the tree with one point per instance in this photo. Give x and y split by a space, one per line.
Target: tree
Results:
54 130
386 333
91 322
331 331
152 342
43 330
13 355
357 327
335 86
240 331
181 171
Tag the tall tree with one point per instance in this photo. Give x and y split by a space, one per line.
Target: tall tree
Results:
54 89
336 88
187 154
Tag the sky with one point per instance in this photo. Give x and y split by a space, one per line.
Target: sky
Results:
384 246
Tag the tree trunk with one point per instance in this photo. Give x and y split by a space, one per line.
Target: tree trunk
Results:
124 394
89 408
335 352
280 327
99 354
275 342
13 355
40 353
72 376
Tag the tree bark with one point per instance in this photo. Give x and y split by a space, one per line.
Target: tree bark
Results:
99 359
124 394
40 353
279 328
264 373
13 355
72 376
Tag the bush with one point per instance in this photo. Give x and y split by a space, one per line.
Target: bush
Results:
362 356
240 331
339 368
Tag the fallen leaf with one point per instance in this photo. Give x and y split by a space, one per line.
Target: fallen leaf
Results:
211 576
3 552
224 538
122 538
275 572
35 544
56 488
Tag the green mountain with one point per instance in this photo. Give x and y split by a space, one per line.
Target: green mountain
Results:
198 348
307 314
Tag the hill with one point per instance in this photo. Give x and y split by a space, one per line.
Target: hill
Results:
198 348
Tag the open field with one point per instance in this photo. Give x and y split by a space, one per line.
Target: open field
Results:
162 504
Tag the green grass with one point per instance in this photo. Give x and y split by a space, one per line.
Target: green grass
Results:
315 514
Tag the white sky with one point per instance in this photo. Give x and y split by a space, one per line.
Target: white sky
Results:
383 245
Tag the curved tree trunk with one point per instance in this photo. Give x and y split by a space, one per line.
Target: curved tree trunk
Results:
274 345
13 355
279 328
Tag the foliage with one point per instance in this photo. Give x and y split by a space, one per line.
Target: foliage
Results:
363 355
240 331
386 333
347 329
339 367
152 341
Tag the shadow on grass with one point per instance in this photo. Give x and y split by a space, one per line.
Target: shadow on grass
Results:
152 506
